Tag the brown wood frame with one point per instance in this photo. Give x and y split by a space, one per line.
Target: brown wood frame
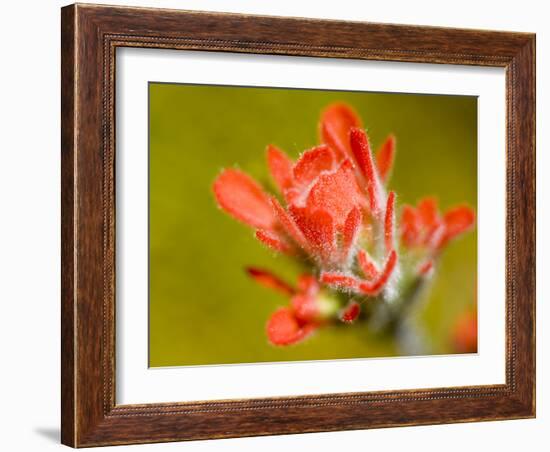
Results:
90 35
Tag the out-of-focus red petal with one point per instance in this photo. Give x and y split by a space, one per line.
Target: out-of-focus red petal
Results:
351 312
428 211
426 267
363 156
464 336
389 222
318 229
436 237
352 227
385 158
305 307
336 121
457 220
274 241
288 224
374 288
336 192
411 225
280 167
340 280
308 285
283 328
269 280
311 163
243 198
368 266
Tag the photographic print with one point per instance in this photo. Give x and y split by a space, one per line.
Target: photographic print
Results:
297 224
276 225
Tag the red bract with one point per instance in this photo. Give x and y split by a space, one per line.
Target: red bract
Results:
332 193
284 328
351 312
304 314
423 226
333 211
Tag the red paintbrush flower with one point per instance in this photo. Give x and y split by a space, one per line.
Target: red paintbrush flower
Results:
335 213
332 192
423 226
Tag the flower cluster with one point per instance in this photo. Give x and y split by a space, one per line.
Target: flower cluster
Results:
335 215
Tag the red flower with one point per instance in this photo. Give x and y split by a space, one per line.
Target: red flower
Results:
333 193
334 212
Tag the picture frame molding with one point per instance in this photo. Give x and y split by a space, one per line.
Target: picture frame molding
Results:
90 35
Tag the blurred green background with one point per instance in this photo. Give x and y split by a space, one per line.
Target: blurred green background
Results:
203 307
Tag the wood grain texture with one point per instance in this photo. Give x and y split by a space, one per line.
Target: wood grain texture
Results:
67 226
90 36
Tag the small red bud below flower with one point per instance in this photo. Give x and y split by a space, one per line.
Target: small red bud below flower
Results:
351 312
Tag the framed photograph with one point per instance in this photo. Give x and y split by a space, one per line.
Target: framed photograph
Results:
281 225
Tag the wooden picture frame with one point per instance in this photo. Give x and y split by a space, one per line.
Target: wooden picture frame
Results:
90 36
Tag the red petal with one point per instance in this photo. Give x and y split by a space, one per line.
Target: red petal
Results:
426 268
465 333
368 266
305 307
283 328
307 284
351 312
273 241
269 280
289 225
280 167
241 196
411 224
336 122
352 227
457 221
385 158
318 229
375 287
311 163
429 216
363 156
335 192
340 280
428 211
389 222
